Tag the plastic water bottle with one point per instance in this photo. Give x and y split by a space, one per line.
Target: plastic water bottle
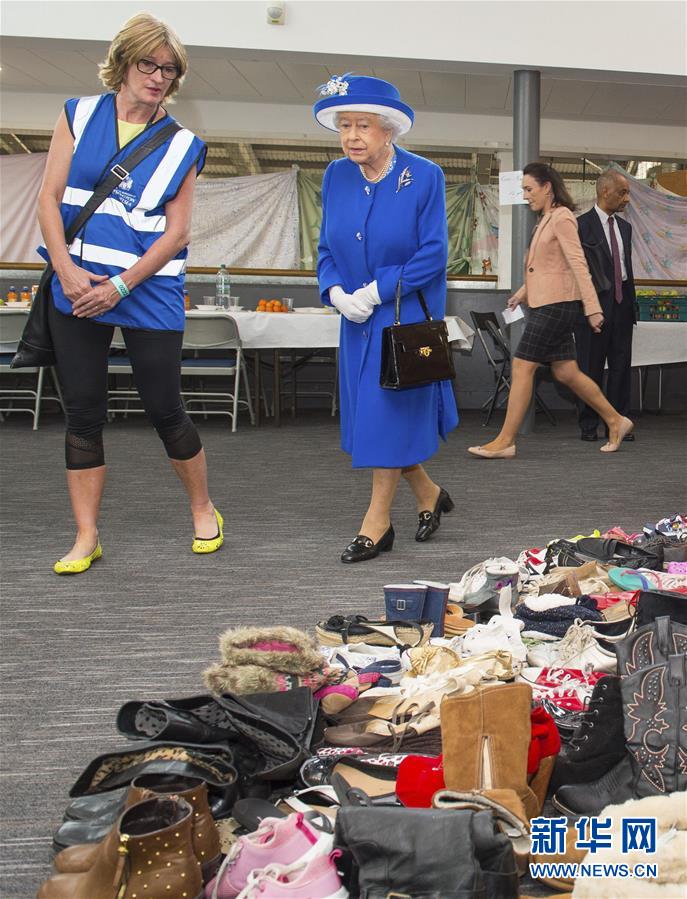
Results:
222 287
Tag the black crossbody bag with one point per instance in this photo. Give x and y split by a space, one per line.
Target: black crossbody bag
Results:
36 347
417 354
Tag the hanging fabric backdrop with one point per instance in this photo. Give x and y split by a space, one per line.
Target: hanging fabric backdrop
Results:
247 222
273 221
659 231
20 181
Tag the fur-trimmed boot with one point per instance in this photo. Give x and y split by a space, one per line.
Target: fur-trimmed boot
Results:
204 834
266 660
279 648
598 742
147 853
485 737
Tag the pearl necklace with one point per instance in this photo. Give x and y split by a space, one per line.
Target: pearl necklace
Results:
385 171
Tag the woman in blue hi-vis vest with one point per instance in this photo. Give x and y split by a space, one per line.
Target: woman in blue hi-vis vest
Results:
125 268
383 221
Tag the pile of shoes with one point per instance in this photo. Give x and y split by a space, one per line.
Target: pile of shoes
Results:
423 752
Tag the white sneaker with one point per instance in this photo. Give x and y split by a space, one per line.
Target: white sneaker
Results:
502 632
483 583
578 649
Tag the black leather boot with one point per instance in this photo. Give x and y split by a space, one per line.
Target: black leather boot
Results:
598 743
592 798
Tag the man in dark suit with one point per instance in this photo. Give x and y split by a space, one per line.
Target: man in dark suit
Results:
607 242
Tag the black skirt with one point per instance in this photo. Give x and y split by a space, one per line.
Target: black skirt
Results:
548 335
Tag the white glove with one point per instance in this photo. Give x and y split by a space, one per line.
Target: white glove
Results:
369 294
355 310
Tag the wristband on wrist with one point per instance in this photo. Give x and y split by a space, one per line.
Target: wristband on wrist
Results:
120 286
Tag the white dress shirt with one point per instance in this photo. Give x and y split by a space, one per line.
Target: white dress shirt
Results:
621 249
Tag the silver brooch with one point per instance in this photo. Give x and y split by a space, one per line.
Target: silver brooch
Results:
405 179
336 86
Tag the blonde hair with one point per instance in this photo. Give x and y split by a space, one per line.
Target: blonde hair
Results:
141 35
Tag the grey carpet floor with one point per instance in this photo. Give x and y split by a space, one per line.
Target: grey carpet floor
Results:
144 621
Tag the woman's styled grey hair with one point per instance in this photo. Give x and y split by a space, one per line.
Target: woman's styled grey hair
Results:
386 123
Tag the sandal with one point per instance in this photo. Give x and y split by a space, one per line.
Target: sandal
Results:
380 734
646 579
359 629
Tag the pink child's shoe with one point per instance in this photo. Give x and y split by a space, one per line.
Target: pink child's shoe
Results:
281 841
315 879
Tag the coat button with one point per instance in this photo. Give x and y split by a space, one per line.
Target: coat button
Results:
358 236
530 269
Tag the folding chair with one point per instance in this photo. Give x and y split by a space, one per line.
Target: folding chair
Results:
12 323
210 333
498 357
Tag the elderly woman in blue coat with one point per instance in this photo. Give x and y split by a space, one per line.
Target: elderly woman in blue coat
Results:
383 222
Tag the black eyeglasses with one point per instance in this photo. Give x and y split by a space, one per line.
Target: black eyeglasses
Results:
148 67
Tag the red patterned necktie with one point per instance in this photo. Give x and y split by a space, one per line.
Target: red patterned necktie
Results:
615 253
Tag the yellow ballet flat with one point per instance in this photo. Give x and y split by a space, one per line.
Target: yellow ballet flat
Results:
76 566
213 544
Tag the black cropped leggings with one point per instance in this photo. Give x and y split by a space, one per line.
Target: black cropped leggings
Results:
82 347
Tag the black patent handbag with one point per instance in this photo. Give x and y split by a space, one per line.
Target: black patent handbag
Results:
416 354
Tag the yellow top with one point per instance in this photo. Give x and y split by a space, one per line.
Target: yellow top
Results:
128 131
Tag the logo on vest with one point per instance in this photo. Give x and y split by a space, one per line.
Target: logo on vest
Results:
124 193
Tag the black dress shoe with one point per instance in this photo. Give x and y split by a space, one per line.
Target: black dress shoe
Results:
429 521
589 435
362 548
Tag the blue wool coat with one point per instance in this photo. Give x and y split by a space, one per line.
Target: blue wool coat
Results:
392 230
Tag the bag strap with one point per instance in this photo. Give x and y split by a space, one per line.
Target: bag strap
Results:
397 314
116 175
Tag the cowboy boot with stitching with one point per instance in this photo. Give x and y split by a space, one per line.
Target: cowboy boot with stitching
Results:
485 738
598 742
204 834
148 853
655 710
655 701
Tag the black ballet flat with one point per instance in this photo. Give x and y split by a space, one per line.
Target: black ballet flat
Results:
362 548
429 521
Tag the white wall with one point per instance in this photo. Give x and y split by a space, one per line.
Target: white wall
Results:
26 112
639 36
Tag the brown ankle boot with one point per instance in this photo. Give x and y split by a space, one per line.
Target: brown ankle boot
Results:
148 853
485 736
77 859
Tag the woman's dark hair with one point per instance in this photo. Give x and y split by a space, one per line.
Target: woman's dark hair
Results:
543 173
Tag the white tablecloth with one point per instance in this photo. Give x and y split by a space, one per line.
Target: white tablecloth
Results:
659 343
295 330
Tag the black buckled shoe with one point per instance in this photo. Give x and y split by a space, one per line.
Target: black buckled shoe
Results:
429 521
363 548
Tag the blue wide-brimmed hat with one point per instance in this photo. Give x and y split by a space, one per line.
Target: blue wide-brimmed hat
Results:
359 93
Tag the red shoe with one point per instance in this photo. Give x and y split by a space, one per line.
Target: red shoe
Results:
419 778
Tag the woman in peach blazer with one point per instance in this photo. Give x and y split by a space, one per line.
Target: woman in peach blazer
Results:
557 287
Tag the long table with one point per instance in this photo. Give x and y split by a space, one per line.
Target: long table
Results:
306 330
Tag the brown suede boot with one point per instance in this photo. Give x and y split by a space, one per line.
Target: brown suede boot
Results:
77 859
485 737
148 853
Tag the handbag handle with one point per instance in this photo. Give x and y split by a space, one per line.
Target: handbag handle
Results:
397 313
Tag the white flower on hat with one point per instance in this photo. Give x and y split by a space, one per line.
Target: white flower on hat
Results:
335 86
